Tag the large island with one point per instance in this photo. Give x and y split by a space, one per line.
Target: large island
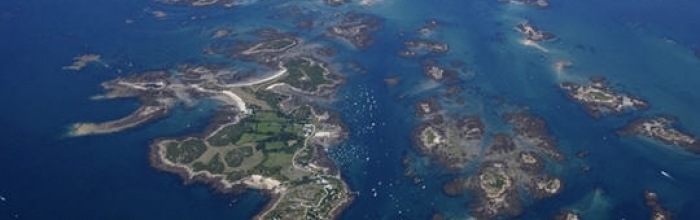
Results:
267 133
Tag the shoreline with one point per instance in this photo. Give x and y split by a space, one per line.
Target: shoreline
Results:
139 117
273 189
221 185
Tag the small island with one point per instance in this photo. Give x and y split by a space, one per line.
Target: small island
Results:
537 3
80 62
268 133
201 3
451 143
427 108
567 215
663 129
544 186
658 212
533 33
438 72
417 48
497 193
221 33
422 45
599 99
357 29
429 28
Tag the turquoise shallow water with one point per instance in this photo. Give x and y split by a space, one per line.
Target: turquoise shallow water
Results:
642 47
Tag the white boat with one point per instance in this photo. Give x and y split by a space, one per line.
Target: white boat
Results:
664 173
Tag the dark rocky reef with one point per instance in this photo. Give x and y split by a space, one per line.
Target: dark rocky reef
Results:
501 144
392 81
336 2
534 130
305 24
455 187
437 216
470 128
582 154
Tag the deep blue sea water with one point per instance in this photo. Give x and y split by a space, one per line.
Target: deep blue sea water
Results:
643 47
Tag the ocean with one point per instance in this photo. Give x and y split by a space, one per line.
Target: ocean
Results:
641 47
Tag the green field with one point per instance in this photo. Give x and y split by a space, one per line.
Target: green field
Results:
185 152
304 75
234 158
277 44
251 138
272 99
268 127
269 116
277 137
255 128
275 146
214 165
273 160
227 135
